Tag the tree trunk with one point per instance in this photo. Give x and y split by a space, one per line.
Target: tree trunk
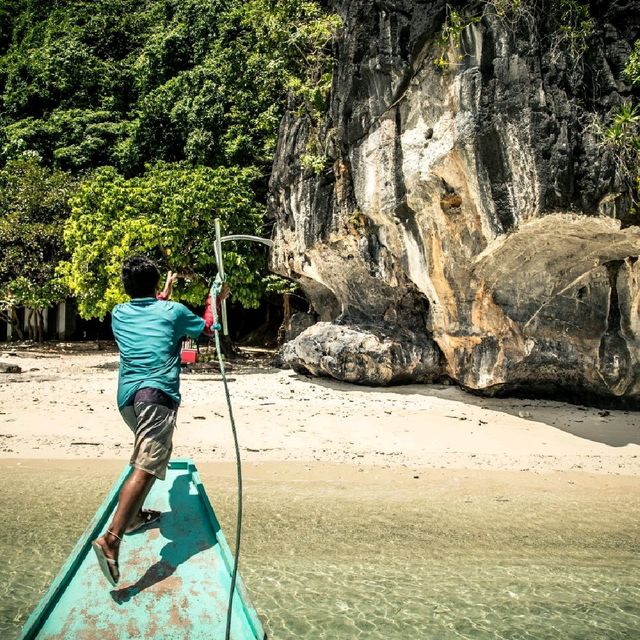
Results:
286 319
40 325
11 318
286 304
28 315
226 346
15 324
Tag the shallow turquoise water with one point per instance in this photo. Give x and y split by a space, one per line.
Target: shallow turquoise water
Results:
330 560
472 599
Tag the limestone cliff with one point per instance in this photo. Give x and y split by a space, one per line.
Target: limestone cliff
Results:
469 222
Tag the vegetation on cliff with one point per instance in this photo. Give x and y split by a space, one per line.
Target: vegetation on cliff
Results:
569 30
623 132
568 26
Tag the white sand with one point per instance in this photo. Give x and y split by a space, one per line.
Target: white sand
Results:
63 406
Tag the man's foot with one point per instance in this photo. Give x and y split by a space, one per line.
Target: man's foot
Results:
107 549
144 517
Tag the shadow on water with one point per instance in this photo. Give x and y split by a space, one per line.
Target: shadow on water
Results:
589 423
178 526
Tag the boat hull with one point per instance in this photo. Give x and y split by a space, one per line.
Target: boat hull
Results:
175 576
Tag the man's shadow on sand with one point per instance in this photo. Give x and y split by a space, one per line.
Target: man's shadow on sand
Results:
183 527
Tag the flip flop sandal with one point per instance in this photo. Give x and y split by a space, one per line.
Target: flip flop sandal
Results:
148 517
104 563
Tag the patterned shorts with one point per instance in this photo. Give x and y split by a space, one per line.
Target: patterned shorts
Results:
152 425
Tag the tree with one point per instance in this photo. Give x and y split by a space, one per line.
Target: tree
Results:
285 288
33 207
167 214
126 83
106 89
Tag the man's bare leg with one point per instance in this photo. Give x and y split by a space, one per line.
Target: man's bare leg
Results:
139 517
132 495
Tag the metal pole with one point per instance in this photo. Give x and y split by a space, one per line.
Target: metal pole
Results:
219 260
218 251
265 241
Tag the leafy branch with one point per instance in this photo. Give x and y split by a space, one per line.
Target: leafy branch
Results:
450 36
621 134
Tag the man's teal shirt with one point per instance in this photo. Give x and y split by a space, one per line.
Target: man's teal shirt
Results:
149 333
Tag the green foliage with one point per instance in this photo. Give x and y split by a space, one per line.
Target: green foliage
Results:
168 214
180 85
65 78
276 284
575 27
632 70
26 293
622 133
309 87
441 63
356 221
569 26
311 84
8 312
450 36
514 13
314 162
624 127
33 206
127 83
226 108
507 8
72 139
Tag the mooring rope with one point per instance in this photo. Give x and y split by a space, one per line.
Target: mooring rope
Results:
216 288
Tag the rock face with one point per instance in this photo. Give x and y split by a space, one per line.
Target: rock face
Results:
471 211
354 354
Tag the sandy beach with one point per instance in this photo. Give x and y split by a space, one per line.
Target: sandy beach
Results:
62 406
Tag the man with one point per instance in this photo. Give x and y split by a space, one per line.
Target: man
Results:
148 330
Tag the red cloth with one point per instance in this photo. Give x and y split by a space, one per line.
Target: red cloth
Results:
208 314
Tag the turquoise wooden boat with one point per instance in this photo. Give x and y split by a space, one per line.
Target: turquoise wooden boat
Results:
175 581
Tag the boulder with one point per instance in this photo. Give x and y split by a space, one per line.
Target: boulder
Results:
5 367
364 355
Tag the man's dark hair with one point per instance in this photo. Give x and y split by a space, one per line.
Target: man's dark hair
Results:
140 277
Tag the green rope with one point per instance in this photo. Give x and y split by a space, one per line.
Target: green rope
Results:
216 287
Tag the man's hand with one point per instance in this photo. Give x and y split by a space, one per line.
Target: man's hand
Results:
172 278
224 292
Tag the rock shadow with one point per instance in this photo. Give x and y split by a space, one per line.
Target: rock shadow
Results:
615 428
